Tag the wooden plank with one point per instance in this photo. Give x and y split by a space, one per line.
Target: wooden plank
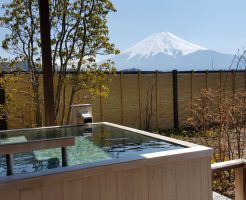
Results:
191 87
206 82
32 119
101 104
227 165
233 83
175 99
90 188
139 100
221 85
125 185
32 194
3 119
10 195
205 179
156 98
72 190
209 177
194 180
240 184
130 100
165 102
169 181
36 145
140 184
26 194
121 98
112 103
244 80
182 175
155 182
108 183
184 93
54 191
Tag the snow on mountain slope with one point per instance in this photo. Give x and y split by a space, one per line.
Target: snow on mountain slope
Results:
164 42
165 51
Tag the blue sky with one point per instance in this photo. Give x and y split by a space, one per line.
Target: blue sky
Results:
214 24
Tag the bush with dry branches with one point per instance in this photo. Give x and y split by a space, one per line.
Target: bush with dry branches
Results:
219 120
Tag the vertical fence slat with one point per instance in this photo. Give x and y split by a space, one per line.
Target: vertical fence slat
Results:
3 121
175 99
206 74
157 112
191 91
121 98
221 84
233 83
31 109
139 99
240 183
245 80
101 106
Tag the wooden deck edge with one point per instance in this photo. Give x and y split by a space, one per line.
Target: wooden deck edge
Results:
227 165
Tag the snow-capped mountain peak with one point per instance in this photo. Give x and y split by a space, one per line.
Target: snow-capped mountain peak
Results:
164 42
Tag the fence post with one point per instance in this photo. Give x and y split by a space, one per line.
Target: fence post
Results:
175 100
3 121
240 183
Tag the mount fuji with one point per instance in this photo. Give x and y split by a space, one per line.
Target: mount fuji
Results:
164 52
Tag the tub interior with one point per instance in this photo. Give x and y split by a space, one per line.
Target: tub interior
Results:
94 142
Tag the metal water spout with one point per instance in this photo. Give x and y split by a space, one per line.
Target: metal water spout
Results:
81 114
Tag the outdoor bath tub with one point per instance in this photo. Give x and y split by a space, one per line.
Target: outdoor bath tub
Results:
102 161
